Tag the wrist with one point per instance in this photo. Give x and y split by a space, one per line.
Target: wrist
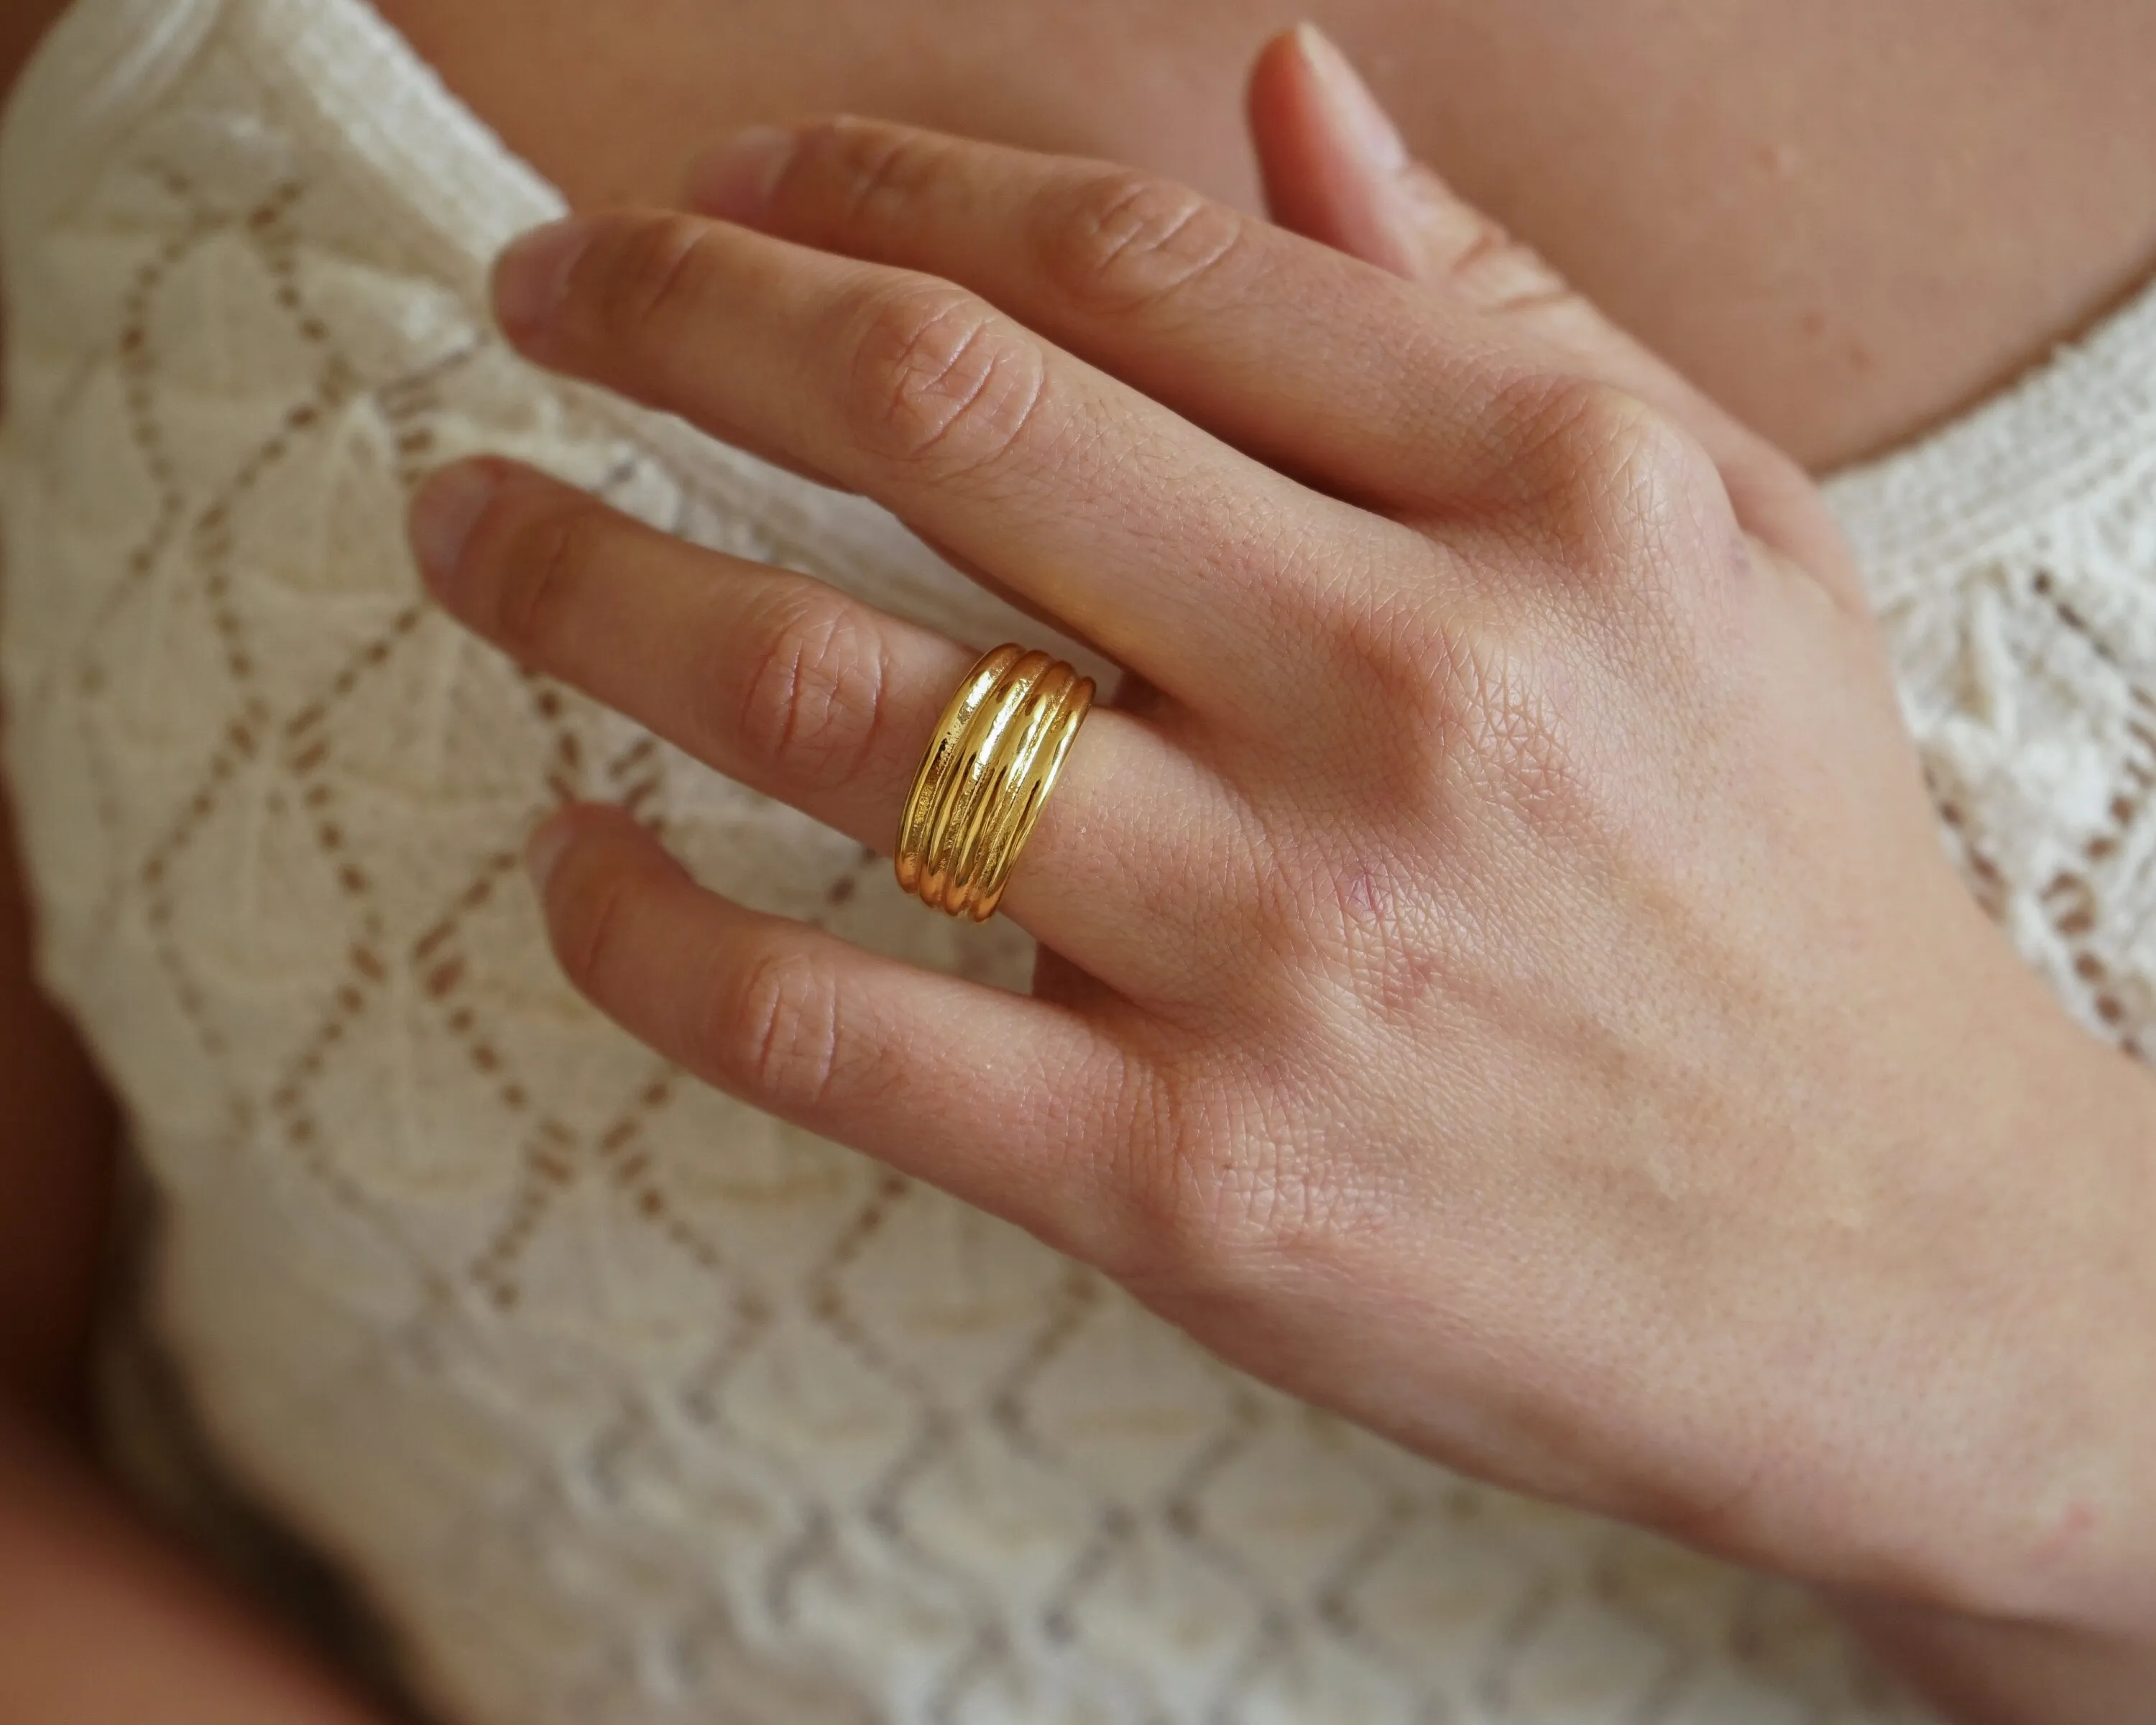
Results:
2049 1519
1961 1418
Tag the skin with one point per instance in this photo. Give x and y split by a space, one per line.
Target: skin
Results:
2015 1580
1842 219
1447 1084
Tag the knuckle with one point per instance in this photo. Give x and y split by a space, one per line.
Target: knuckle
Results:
940 381
864 170
1127 242
1163 1233
645 274
1463 703
1221 1195
547 562
812 698
1599 473
773 1028
1421 673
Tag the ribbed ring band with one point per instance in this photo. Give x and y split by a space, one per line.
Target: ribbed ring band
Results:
985 778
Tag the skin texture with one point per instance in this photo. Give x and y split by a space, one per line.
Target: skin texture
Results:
1605 1088
1736 179
1841 219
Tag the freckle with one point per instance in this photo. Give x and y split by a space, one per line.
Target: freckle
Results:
1813 322
1782 161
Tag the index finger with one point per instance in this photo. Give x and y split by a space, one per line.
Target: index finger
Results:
1309 359
1182 559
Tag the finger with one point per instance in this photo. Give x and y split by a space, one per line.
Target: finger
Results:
1365 383
1335 170
992 1096
1369 386
1176 555
1312 362
796 690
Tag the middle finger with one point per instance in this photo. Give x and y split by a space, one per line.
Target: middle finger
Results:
1187 561
798 691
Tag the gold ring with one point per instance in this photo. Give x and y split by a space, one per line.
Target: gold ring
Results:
985 778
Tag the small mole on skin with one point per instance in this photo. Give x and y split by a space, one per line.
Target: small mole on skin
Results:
1780 160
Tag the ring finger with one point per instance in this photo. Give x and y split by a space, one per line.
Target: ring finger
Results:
799 691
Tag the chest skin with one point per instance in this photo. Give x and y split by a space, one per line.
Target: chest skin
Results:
1845 220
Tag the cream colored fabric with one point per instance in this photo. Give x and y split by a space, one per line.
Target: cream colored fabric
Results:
619 1401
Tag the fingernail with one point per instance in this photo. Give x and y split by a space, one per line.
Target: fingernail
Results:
735 182
543 849
532 272
444 512
1365 126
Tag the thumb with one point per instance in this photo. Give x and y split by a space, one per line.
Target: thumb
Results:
1335 171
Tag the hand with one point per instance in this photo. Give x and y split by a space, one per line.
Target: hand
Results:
1501 978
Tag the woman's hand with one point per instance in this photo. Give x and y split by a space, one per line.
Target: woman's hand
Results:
1501 978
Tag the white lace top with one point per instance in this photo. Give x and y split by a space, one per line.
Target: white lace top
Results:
617 1400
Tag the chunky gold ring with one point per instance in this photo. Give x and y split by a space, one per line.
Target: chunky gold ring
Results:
985 778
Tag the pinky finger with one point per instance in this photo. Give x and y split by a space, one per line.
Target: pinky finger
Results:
996 1097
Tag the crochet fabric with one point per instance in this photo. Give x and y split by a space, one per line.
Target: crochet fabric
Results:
616 1399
